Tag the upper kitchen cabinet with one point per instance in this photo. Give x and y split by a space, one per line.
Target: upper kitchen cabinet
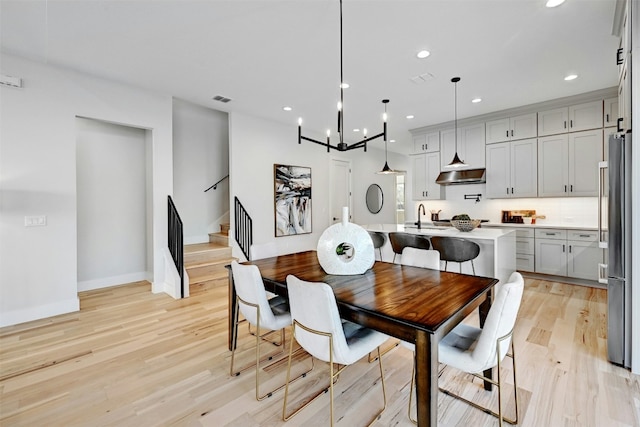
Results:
610 115
470 146
512 169
512 128
426 143
568 164
570 119
425 169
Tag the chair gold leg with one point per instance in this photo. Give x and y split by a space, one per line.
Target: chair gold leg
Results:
384 351
498 384
333 378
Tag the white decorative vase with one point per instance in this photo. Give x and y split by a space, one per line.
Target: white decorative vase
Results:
345 248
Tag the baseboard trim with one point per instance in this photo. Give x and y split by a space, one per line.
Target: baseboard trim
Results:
105 282
564 279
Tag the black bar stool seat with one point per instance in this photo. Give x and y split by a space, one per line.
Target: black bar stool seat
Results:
400 240
455 249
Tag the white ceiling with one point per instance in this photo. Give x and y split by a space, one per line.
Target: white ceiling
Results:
266 54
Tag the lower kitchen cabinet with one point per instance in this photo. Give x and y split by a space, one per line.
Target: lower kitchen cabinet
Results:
572 253
525 250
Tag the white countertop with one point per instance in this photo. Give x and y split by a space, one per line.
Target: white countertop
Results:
541 225
430 230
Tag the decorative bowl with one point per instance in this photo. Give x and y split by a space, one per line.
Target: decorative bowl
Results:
465 224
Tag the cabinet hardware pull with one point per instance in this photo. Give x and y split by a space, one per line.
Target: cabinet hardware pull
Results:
618 129
572 188
507 190
619 59
569 248
426 147
565 188
585 235
571 123
511 190
507 134
565 124
563 248
550 234
511 132
607 117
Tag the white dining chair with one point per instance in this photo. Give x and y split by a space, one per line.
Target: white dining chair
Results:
474 350
270 314
318 329
424 258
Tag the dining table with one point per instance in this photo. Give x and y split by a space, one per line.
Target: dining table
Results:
417 305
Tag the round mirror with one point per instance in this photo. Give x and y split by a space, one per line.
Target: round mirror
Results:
374 198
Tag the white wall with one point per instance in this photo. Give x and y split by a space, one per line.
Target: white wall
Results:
257 144
200 159
38 265
111 200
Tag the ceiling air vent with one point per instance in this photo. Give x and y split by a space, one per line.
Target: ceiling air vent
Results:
221 98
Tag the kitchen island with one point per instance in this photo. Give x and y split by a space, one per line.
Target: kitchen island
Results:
497 247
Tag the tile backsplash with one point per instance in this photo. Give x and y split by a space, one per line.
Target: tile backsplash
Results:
559 211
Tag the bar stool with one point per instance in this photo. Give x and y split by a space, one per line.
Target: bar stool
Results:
455 249
378 241
400 240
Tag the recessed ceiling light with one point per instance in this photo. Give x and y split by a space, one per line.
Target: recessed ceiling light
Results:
356 130
423 54
410 116
571 77
476 100
554 3
344 85
392 140
287 108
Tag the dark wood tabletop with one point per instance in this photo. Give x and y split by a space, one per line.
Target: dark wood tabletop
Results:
414 304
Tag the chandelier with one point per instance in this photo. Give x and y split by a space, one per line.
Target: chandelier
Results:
343 146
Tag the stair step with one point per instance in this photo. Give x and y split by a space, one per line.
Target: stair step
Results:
224 229
207 261
219 239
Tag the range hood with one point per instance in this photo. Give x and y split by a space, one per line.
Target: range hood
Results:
466 176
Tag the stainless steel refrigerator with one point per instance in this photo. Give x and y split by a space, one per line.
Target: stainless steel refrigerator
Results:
615 236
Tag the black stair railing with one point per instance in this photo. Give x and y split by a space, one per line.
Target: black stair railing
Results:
243 228
215 186
175 239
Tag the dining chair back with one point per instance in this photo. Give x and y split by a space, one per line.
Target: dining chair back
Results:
424 258
456 249
400 240
318 328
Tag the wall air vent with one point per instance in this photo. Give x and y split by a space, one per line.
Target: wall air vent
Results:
422 78
10 81
221 98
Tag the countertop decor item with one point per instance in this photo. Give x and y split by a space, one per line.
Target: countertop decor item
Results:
465 224
345 248
343 146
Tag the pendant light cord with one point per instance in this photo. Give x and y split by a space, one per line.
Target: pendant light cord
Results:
341 112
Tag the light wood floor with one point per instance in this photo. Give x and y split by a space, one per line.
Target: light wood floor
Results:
132 358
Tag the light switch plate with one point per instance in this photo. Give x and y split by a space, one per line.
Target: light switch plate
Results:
35 221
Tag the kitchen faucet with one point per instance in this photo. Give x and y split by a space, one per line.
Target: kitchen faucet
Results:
419 224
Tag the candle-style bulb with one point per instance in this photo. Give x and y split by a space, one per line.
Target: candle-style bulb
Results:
364 132
384 117
328 133
339 106
299 121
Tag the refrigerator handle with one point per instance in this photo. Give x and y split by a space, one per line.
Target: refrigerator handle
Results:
602 276
601 170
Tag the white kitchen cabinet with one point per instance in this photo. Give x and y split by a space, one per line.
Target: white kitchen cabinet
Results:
525 249
471 150
583 255
575 118
610 114
425 169
568 164
512 169
571 253
426 143
511 128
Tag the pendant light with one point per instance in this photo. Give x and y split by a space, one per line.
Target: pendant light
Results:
456 162
386 170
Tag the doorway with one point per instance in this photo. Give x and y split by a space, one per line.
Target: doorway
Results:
340 189
113 190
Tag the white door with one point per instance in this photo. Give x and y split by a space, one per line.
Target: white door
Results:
340 190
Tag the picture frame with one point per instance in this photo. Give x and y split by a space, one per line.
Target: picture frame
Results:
292 200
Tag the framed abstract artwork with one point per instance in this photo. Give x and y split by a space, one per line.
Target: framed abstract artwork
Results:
292 185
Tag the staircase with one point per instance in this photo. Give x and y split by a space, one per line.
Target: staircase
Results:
206 261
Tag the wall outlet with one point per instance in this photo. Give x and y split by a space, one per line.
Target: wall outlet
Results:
35 221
